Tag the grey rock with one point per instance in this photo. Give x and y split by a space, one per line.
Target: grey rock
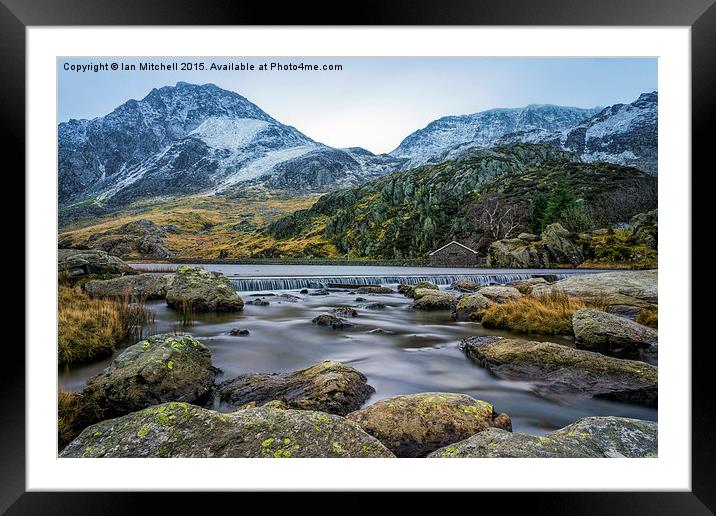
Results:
202 291
603 331
139 286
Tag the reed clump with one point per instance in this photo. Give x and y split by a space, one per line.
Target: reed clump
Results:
648 317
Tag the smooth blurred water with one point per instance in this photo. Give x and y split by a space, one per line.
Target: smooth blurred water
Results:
420 354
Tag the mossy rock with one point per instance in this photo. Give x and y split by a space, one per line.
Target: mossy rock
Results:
337 323
525 286
601 331
500 293
590 437
76 263
417 424
410 290
139 286
469 304
327 386
155 370
464 285
559 370
427 299
375 290
182 430
196 290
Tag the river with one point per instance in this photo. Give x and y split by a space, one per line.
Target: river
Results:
418 351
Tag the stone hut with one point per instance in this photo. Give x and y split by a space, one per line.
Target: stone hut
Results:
454 254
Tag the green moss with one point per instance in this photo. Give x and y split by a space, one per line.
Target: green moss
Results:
143 431
337 448
170 365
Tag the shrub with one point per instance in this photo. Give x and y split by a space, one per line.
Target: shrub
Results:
548 314
88 328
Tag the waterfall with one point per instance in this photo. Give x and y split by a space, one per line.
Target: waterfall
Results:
266 284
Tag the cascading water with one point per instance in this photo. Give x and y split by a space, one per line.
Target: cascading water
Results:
260 284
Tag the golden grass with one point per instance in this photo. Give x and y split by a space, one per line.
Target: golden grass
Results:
548 314
648 317
73 415
92 328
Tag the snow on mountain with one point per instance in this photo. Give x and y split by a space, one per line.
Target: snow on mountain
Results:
449 136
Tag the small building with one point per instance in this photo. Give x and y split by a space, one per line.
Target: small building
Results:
454 254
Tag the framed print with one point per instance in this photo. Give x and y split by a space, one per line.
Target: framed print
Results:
415 250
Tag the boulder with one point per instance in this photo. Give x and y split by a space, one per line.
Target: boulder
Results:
625 292
139 286
331 320
500 293
469 304
198 290
375 290
409 290
556 370
464 285
589 437
562 245
525 286
183 430
76 263
601 331
528 237
518 254
327 386
417 424
137 238
345 310
157 369
426 299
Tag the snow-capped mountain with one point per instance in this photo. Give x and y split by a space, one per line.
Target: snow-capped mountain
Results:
188 139
625 134
450 136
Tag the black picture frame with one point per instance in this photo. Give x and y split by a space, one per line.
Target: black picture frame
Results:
700 15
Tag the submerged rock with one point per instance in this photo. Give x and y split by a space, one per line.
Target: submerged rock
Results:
319 292
416 424
626 292
469 304
239 332
258 302
327 386
331 320
426 299
80 263
157 369
374 306
500 293
183 430
375 290
345 310
198 290
559 369
602 331
588 437
140 286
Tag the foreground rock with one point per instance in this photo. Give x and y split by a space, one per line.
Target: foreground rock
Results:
198 290
327 386
183 430
625 292
588 437
428 299
416 424
558 369
140 286
601 331
500 293
470 304
331 320
76 264
158 369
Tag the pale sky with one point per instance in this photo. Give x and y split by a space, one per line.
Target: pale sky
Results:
372 102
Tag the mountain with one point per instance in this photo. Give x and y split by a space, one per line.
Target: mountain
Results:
624 134
447 137
407 214
186 139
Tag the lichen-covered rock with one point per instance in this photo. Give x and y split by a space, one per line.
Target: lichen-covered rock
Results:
140 286
525 286
345 310
469 304
327 386
500 293
409 290
198 290
183 430
517 253
372 289
464 285
427 299
589 437
416 424
625 292
607 332
80 263
331 320
562 245
157 369
557 369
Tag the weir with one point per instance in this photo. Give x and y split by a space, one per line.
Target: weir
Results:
269 283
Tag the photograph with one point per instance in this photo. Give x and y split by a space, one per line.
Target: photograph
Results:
357 257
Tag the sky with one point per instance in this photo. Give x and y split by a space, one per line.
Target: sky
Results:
370 102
